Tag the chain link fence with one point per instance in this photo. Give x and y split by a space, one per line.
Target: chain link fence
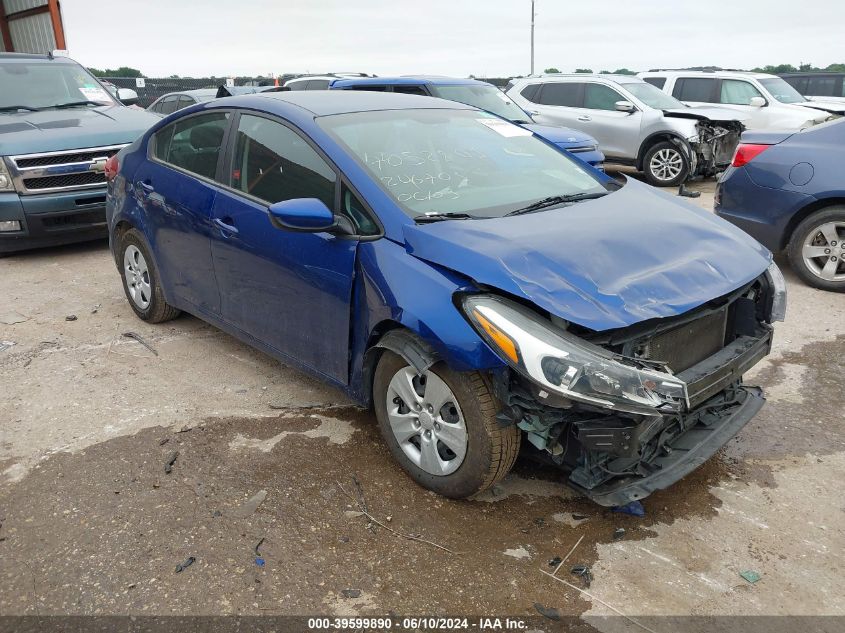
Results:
155 87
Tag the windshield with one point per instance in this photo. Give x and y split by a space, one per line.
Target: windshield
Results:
782 91
653 97
40 85
457 161
483 97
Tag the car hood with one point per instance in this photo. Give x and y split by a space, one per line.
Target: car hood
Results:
707 113
633 255
561 135
826 106
72 128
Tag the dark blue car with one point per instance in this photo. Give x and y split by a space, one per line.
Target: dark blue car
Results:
787 189
471 282
483 95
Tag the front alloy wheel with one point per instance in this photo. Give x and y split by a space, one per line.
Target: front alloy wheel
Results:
665 165
440 425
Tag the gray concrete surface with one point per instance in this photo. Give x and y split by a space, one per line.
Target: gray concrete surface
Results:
90 523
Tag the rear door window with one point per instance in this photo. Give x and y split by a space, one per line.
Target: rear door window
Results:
318 84
184 102
700 89
298 85
168 104
561 94
737 92
192 143
821 86
410 90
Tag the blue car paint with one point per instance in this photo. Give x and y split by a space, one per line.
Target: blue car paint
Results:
348 292
768 197
564 137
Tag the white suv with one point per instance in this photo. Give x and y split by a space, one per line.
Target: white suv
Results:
767 100
635 123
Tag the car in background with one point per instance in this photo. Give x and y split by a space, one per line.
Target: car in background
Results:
58 127
485 96
787 189
173 101
126 96
818 86
471 282
635 123
767 101
318 82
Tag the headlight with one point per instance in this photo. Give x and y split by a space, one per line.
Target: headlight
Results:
775 278
5 178
567 365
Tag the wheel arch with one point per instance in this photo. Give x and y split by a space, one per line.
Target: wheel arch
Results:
805 212
655 138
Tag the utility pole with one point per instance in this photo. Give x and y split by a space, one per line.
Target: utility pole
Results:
532 37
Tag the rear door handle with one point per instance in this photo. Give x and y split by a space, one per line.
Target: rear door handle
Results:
584 117
226 225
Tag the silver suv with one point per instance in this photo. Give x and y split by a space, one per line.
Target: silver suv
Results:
635 123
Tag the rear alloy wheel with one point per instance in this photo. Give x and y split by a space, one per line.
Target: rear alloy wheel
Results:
664 165
817 249
441 427
141 281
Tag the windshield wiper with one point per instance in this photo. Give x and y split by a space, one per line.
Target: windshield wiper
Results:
555 200
71 104
437 217
12 108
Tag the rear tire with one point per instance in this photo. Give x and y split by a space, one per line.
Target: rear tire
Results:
489 451
141 281
817 249
665 165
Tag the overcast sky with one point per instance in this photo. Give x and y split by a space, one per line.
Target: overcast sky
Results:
448 37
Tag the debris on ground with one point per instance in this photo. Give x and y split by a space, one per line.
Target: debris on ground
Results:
10 318
634 508
750 575
517 552
353 514
185 429
70 317
95 309
351 593
251 505
188 562
163 441
168 465
547 612
618 533
137 337
583 572
686 192
570 518
259 560
4 345
554 562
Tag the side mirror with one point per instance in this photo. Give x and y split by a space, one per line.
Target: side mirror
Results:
308 215
127 96
757 102
625 106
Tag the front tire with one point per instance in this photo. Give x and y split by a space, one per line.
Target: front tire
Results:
441 427
817 249
665 165
141 281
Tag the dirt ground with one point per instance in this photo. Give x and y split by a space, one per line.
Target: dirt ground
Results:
90 522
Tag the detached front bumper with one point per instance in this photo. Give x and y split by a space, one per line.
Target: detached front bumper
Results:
53 219
681 456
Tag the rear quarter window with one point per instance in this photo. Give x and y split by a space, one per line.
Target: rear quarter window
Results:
658 82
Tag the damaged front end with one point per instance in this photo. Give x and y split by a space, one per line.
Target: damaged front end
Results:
712 148
629 411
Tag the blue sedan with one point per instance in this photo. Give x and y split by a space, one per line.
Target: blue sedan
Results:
788 190
473 283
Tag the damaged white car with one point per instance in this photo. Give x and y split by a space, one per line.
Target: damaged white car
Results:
635 123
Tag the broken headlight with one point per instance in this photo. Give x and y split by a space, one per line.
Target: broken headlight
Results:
569 366
775 278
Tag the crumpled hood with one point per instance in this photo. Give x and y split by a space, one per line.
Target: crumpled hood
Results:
633 255
711 113
564 136
825 106
71 128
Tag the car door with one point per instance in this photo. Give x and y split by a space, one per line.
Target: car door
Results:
736 94
557 103
618 133
176 188
289 290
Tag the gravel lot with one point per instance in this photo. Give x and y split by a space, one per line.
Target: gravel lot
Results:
90 523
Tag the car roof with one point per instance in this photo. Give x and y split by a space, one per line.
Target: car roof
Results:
818 73
705 73
198 92
329 102
21 57
550 77
407 80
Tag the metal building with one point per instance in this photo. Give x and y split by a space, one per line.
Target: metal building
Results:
31 26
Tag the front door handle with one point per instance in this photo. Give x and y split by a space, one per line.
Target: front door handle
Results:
584 117
226 225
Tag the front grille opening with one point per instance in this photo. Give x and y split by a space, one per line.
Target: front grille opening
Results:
87 202
63 159
65 180
75 220
688 344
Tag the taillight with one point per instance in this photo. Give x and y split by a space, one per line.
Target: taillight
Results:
111 168
746 152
